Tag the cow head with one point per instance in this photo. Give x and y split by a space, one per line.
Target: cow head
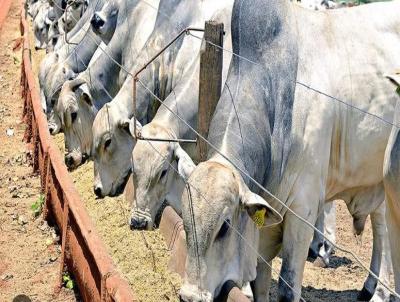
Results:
222 206
41 25
154 178
58 6
57 75
73 12
77 113
104 21
53 36
111 151
34 8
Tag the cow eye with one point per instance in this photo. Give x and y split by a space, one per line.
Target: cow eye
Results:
224 229
107 143
163 173
74 116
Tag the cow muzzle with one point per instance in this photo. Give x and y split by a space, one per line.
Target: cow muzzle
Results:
140 220
72 163
191 293
97 22
53 129
98 191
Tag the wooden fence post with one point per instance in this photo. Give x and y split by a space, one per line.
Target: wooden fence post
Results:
211 59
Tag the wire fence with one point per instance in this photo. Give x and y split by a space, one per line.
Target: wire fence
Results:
232 162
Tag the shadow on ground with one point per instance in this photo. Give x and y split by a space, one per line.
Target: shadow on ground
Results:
311 294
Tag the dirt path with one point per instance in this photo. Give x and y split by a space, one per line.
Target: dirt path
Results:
29 253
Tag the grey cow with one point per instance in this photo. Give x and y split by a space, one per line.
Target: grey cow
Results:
66 62
82 97
303 147
112 142
154 179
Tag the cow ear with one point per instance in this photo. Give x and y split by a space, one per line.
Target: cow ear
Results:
185 163
68 73
85 94
48 21
74 84
132 128
124 125
394 78
259 210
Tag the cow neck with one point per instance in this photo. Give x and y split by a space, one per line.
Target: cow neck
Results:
122 102
252 121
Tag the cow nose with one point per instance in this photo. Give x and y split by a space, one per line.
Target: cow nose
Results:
51 129
97 22
85 157
69 161
63 4
189 299
138 223
98 192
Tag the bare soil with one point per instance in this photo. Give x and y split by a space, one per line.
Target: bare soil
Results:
29 249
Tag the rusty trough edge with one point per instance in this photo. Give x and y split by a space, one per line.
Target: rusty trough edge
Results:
82 249
171 227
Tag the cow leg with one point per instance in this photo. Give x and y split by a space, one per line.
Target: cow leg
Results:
329 230
268 249
330 227
318 240
262 284
380 264
392 194
296 238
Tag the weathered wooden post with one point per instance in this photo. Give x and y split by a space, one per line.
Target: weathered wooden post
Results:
211 58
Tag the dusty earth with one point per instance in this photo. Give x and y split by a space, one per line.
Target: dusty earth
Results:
29 250
142 257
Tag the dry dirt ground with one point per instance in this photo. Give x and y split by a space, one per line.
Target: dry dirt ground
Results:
29 252
142 257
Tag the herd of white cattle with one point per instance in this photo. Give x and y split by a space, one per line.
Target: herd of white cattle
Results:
308 115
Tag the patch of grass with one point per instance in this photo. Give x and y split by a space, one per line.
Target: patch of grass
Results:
68 282
37 206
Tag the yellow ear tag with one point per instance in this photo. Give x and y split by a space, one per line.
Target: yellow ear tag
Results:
259 217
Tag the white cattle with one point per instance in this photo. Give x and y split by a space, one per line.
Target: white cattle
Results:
66 62
94 87
391 182
304 147
112 142
41 25
154 179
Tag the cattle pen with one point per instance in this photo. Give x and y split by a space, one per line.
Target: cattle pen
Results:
84 252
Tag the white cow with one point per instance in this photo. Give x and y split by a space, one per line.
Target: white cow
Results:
303 147
41 24
154 179
112 143
94 87
391 182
